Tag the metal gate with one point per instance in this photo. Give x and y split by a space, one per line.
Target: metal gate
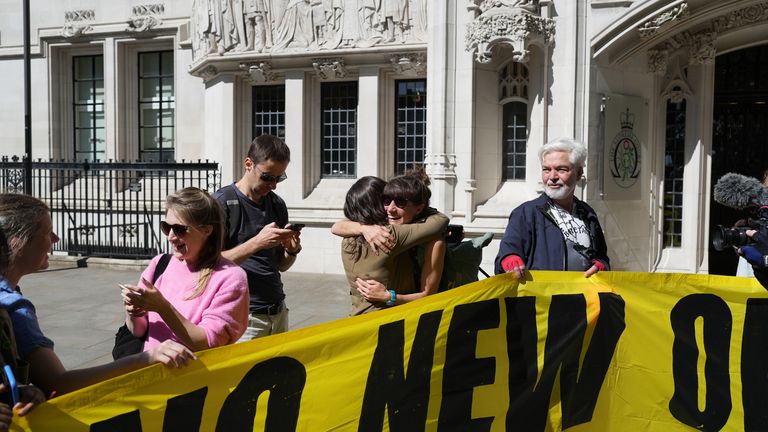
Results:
108 209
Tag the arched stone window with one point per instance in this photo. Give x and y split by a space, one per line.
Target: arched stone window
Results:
676 94
513 97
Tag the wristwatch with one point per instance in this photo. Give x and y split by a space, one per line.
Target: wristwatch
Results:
294 253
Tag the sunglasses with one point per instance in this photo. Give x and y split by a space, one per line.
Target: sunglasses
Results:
269 178
178 229
400 202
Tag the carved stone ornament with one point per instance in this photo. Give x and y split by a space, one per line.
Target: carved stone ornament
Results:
508 22
474 6
145 17
701 45
77 22
208 73
741 17
652 27
409 64
677 90
258 72
702 50
329 68
657 61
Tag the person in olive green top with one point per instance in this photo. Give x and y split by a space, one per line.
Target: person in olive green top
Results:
364 261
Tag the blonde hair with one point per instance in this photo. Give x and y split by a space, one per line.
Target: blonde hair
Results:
197 208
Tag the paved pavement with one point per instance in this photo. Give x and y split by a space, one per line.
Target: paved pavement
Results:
80 308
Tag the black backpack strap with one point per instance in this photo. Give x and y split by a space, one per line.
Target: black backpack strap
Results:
232 215
162 263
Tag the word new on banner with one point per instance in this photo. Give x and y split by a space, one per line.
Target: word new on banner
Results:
617 351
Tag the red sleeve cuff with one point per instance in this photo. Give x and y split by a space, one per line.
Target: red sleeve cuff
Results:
511 261
599 264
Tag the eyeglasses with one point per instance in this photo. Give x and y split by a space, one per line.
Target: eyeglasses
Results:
178 229
400 202
269 178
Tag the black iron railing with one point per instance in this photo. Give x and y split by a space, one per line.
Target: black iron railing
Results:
108 209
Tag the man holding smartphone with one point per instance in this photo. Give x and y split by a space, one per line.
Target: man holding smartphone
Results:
258 236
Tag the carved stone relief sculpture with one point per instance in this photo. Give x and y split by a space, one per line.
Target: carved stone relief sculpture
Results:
77 22
204 22
255 33
295 26
419 17
393 19
512 22
271 26
145 17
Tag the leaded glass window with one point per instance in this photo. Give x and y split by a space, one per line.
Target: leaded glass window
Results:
157 106
88 107
411 124
339 129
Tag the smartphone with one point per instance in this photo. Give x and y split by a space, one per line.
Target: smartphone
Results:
296 227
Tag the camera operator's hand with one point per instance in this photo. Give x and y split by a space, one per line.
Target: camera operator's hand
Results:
756 253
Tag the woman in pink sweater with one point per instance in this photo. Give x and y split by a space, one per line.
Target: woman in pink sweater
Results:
201 299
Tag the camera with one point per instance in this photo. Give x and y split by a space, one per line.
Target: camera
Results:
723 237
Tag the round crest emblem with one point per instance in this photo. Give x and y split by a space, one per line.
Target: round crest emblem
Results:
625 153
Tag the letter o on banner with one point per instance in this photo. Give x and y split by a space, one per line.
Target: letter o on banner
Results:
718 324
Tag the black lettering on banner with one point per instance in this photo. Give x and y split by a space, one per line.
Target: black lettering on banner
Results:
463 371
128 422
717 340
567 323
185 412
754 365
284 378
405 398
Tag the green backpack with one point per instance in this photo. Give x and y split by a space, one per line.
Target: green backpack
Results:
461 263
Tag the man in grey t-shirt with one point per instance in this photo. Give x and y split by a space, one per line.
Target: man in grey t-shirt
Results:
257 236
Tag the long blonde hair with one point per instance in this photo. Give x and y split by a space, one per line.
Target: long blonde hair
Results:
196 207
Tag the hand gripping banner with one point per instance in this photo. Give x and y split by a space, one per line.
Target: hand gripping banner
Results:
617 351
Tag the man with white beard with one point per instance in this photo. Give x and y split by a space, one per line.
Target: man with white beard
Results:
555 231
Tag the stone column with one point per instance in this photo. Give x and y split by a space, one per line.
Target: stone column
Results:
440 157
219 142
299 181
368 154
465 123
696 176
110 99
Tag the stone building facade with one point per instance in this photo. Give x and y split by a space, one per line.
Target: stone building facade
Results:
667 94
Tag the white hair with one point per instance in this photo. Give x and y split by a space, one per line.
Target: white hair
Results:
577 152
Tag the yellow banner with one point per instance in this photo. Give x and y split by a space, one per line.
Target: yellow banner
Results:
617 351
